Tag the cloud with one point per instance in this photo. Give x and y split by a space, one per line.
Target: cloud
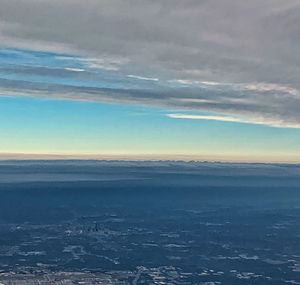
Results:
274 123
74 69
142 77
226 40
234 58
40 74
203 117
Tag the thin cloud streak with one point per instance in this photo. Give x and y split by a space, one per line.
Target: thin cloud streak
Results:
277 124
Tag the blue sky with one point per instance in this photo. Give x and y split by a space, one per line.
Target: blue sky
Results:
96 80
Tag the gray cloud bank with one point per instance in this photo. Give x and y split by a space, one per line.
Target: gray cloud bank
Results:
250 48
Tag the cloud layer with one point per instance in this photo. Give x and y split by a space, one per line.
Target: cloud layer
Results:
232 58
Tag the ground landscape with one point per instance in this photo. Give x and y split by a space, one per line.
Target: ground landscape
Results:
149 223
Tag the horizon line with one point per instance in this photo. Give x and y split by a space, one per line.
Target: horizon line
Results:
143 157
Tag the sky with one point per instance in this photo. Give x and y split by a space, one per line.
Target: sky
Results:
141 79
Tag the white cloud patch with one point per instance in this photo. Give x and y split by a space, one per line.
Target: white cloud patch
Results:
74 69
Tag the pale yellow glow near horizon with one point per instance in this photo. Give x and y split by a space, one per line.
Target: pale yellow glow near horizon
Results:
148 156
